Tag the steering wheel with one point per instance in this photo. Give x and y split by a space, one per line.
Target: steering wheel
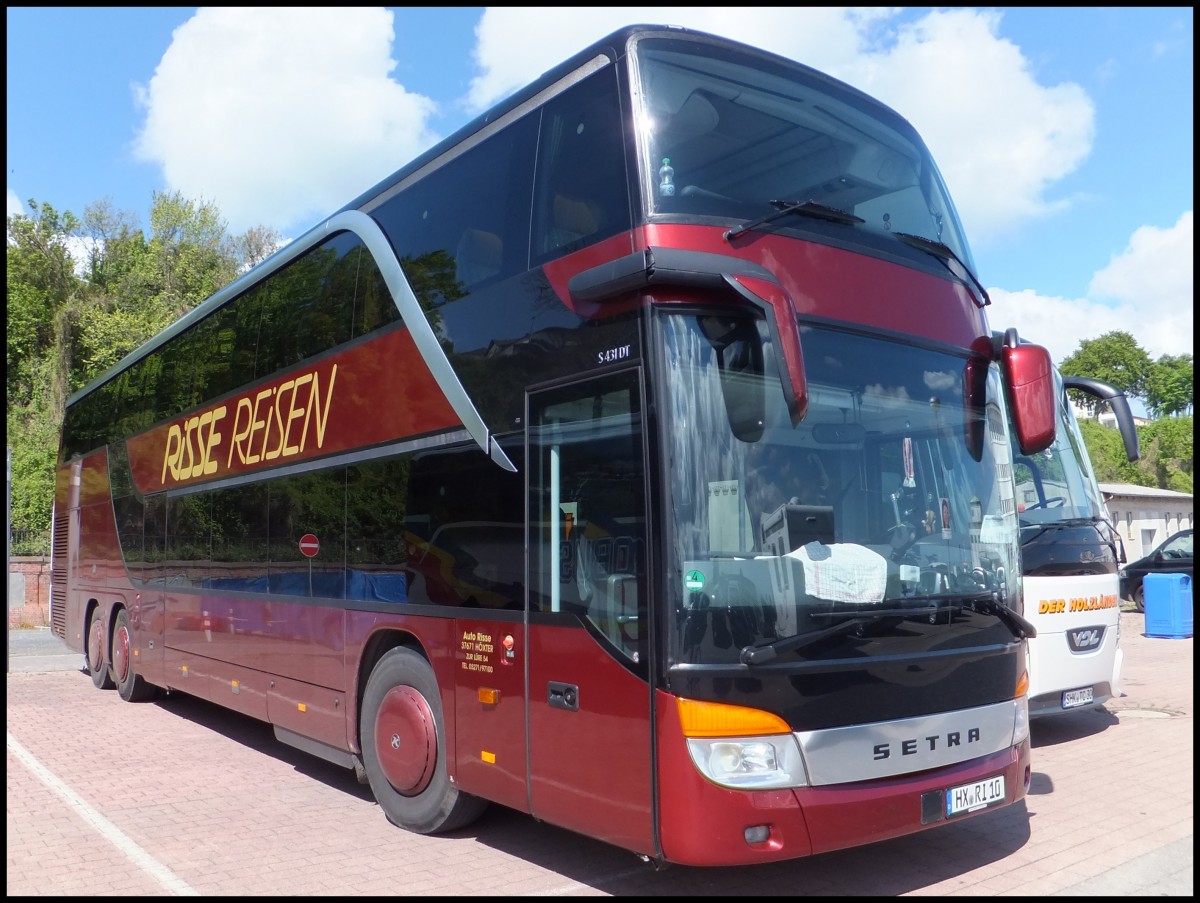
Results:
1056 501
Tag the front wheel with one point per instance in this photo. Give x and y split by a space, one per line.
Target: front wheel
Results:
97 652
403 746
1139 598
130 684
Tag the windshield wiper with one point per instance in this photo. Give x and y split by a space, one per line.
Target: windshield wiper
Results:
987 599
945 253
1017 624
756 655
913 606
805 208
1063 524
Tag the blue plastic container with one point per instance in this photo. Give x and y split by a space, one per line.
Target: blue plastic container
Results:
1168 603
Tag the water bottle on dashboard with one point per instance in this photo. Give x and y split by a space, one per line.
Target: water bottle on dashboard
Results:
666 179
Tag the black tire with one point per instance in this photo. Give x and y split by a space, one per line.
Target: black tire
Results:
360 772
130 685
96 652
404 748
1139 598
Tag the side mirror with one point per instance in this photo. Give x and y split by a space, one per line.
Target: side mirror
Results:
1029 375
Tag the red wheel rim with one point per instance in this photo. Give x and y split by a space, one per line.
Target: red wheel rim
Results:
406 740
120 654
96 644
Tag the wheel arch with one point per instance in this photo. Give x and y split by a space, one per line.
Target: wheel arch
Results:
379 644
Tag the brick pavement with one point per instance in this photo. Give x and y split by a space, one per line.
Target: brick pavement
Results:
207 802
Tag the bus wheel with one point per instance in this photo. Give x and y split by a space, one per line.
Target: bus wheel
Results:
403 745
97 660
129 683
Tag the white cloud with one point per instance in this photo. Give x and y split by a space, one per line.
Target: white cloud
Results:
15 207
280 116
1001 139
324 119
517 44
1152 279
1146 291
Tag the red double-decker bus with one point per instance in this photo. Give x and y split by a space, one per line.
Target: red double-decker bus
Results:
636 458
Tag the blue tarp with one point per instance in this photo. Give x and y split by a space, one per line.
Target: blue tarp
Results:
349 584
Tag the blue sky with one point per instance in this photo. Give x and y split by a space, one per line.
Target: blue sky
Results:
1066 135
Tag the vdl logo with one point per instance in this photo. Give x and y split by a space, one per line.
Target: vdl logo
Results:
1085 639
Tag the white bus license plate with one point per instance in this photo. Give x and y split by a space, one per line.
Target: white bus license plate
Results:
970 797
1073 698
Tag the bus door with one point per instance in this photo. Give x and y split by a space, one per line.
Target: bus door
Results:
589 698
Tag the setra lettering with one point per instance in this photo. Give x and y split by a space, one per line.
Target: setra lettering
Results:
914 745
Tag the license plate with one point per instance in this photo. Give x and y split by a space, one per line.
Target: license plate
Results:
973 797
1073 698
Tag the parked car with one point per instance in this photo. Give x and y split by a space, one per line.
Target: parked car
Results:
1173 556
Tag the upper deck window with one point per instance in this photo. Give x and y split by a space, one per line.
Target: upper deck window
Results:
743 129
581 191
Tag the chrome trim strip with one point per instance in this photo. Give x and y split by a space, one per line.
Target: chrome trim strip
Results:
842 755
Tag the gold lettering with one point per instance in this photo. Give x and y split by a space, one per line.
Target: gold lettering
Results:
257 425
240 436
185 470
293 413
204 420
314 401
171 455
275 452
214 439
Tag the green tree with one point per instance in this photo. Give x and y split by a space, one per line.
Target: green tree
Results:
1106 449
82 294
1167 452
253 247
1115 358
1170 386
44 295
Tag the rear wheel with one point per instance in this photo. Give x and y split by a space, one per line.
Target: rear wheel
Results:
403 747
130 684
97 653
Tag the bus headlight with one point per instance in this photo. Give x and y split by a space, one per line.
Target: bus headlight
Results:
750 763
741 748
1021 720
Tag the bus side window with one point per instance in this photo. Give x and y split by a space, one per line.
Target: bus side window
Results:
581 192
479 257
573 219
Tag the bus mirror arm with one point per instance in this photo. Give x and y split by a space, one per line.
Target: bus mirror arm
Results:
653 267
1117 402
780 314
658 267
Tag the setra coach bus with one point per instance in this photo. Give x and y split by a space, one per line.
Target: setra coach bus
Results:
1070 552
636 458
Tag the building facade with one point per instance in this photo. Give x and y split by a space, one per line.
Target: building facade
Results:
1145 516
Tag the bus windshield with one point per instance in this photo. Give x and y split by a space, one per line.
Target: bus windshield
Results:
1056 485
873 506
744 136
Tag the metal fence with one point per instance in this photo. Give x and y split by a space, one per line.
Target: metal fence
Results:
29 542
